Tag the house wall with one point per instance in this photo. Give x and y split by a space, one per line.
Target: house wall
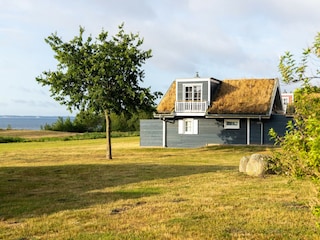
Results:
213 91
278 123
210 131
255 131
151 132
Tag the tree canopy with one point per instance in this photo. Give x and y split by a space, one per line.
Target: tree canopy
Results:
300 147
301 144
101 75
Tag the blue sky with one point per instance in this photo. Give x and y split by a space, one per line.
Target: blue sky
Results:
217 38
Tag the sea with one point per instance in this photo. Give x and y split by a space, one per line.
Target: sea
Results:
27 122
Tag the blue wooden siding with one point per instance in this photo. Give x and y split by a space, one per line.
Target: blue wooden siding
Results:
278 123
210 131
255 131
235 136
150 132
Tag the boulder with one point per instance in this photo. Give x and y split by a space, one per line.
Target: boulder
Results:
243 164
256 165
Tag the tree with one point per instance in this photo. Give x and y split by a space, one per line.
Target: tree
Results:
301 144
101 75
300 147
88 122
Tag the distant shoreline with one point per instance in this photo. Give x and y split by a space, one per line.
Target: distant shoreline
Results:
28 122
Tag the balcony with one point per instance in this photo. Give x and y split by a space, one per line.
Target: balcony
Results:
191 107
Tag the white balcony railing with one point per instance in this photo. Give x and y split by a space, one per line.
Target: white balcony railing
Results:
191 107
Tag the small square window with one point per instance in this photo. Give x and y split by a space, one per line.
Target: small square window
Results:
231 124
188 126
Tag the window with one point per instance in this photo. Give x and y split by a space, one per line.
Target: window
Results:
188 94
192 92
188 126
231 124
197 93
285 101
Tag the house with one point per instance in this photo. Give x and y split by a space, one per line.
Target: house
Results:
287 99
201 111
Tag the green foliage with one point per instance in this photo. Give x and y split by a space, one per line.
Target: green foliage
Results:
11 139
300 147
92 122
86 121
303 71
100 75
300 154
124 123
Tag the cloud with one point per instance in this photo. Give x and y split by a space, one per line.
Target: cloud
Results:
218 38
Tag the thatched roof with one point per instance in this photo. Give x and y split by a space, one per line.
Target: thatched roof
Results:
233 96
167 103
244 96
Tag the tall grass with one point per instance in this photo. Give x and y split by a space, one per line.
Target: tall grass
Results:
67 190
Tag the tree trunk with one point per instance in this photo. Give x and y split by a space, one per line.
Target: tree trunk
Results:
108 134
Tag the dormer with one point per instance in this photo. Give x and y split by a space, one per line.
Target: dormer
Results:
188 97
194 95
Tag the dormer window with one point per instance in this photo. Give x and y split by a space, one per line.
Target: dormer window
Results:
192 92
192 96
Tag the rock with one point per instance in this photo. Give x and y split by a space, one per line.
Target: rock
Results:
256 165
243 164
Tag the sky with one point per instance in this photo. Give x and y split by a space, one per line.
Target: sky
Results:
217 38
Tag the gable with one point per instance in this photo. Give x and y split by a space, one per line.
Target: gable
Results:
245 96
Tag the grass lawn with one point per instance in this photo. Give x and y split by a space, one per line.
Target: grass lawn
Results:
27 134
68 190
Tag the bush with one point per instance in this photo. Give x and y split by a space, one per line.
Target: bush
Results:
300 155
11 139
92 122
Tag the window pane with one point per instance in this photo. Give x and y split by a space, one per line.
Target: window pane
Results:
188 93
188 126
197 93
232 123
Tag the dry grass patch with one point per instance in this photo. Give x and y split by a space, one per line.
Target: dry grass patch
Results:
67 190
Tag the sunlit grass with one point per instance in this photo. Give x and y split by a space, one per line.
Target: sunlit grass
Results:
68 190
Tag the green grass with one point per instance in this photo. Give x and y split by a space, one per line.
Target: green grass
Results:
68 190
11 136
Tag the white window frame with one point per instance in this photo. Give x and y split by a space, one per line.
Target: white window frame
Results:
193 92
285 100
231 124
188 126
285 103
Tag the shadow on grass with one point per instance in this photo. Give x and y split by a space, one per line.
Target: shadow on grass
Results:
33 191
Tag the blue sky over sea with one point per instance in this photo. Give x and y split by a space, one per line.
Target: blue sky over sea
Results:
216 38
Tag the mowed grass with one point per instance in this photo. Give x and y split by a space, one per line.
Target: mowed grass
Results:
30 134
68 190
